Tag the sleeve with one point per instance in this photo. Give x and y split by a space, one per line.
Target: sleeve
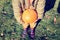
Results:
40 8
16 10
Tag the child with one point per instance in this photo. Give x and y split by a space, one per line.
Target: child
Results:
20 5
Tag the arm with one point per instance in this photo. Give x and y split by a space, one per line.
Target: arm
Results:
28 4
16 9
40 8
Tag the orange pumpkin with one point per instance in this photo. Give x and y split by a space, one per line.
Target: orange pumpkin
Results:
29 16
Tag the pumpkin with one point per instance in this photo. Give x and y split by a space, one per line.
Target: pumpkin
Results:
29 16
